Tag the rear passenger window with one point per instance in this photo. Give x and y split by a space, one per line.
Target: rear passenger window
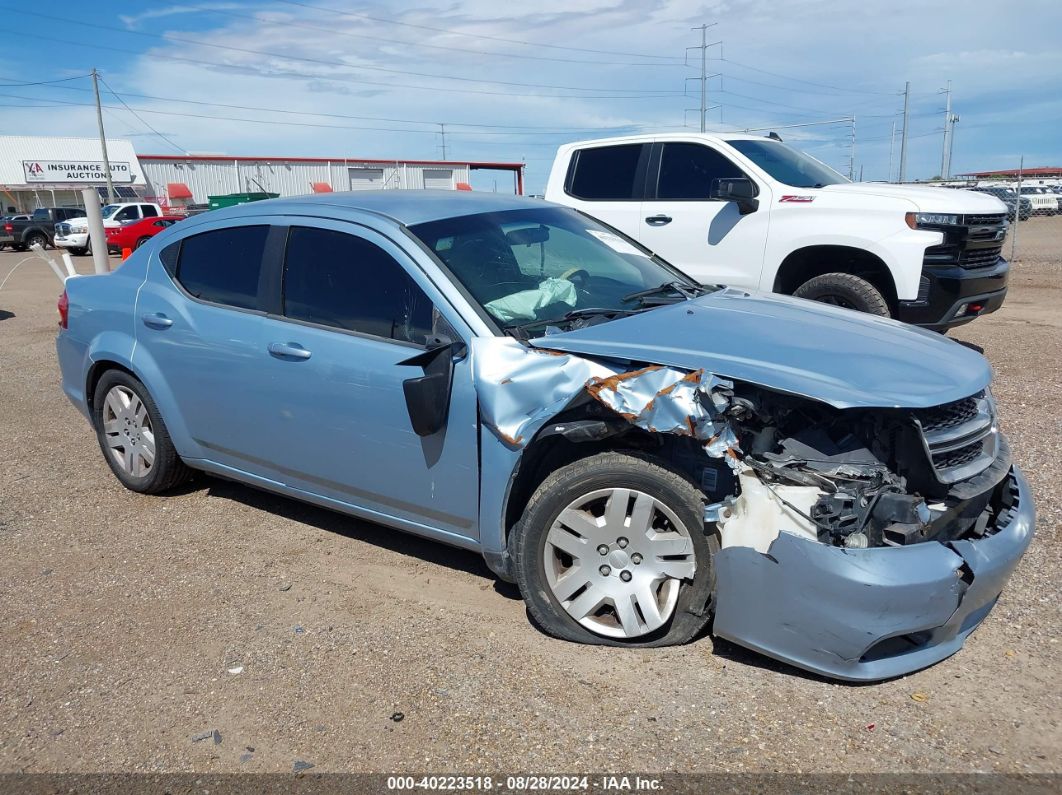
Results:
606 173
149 211
223 266
687 171
344 281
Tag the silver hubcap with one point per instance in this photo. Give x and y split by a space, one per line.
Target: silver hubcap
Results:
127 429
615 559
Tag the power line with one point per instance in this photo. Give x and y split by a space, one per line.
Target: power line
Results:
808 82
317 61
280 123
522 128
475 35
160 135
45 82
344 82
462 50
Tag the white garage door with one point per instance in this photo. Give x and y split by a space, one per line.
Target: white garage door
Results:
366 178
439 178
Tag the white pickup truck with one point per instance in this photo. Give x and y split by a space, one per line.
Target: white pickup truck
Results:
74 234
752 212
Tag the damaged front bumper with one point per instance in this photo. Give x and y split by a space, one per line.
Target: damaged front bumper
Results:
868 614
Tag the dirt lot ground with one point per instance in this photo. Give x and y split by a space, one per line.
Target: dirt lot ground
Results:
125 618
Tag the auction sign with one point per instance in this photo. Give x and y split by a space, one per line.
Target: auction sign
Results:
86 171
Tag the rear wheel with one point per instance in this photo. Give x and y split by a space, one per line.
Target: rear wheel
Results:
36 239
611 550
133 437
846 290
141 242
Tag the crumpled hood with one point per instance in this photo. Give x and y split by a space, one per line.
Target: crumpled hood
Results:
837 356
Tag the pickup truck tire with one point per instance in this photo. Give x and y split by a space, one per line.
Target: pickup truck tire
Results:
36 238
78 251
847 290
657 556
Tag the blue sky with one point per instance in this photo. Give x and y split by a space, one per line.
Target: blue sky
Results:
376 79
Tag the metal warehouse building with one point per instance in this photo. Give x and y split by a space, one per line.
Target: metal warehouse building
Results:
46 172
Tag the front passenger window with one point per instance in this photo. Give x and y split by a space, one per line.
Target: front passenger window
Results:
687 171
344 281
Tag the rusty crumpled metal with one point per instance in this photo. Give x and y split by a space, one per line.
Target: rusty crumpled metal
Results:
521 388
666 400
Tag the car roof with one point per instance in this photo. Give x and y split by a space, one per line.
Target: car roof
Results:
405 206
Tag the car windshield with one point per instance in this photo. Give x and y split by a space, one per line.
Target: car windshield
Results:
110 210
533 268
787 165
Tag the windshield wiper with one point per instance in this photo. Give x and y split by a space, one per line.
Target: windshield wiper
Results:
687 291
568 317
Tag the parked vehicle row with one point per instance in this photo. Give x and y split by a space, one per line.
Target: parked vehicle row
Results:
38 228
637 450
73 234
751 212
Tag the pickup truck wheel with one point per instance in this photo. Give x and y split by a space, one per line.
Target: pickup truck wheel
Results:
847 290
36 239
611 550
132 436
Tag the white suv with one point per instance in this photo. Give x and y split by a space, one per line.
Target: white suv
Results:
74 234
752 212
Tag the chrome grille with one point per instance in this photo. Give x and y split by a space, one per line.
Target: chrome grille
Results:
960 437
949 415
62 229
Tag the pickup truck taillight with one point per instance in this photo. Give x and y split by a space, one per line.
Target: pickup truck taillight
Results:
9 228
64 310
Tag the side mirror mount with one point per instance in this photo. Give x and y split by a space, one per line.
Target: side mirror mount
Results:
428 395
740 190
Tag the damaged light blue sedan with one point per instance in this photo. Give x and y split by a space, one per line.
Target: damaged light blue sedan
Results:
638 452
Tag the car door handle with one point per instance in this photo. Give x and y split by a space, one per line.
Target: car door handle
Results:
288 350
658 220
156 320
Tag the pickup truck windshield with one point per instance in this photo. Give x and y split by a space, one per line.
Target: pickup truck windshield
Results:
786 165
532 268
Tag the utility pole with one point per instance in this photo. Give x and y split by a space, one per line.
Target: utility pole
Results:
852 153
951 142
704 45
892 146
1017 214
442 132
903 137
103 138
947 127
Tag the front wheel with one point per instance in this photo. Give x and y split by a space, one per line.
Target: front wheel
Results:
846 290
77 251
612 550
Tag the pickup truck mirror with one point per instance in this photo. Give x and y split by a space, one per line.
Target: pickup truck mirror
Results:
740 190
428 396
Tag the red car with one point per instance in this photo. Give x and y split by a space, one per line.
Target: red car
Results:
137 233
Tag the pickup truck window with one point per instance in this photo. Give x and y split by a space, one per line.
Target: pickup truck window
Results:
606 173
148 211
786 165
687 170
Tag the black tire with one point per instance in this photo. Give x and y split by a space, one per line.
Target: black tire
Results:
167 470
36 238
141 242
77 251
846 290
88 248
613 470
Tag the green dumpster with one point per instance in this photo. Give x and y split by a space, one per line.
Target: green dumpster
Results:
232 199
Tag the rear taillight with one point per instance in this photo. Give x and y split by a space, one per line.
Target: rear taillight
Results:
64 310
9 228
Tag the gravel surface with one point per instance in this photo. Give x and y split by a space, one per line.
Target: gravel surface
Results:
224 629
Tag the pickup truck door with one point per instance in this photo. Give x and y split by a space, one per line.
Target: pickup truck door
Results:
608 183
710 240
